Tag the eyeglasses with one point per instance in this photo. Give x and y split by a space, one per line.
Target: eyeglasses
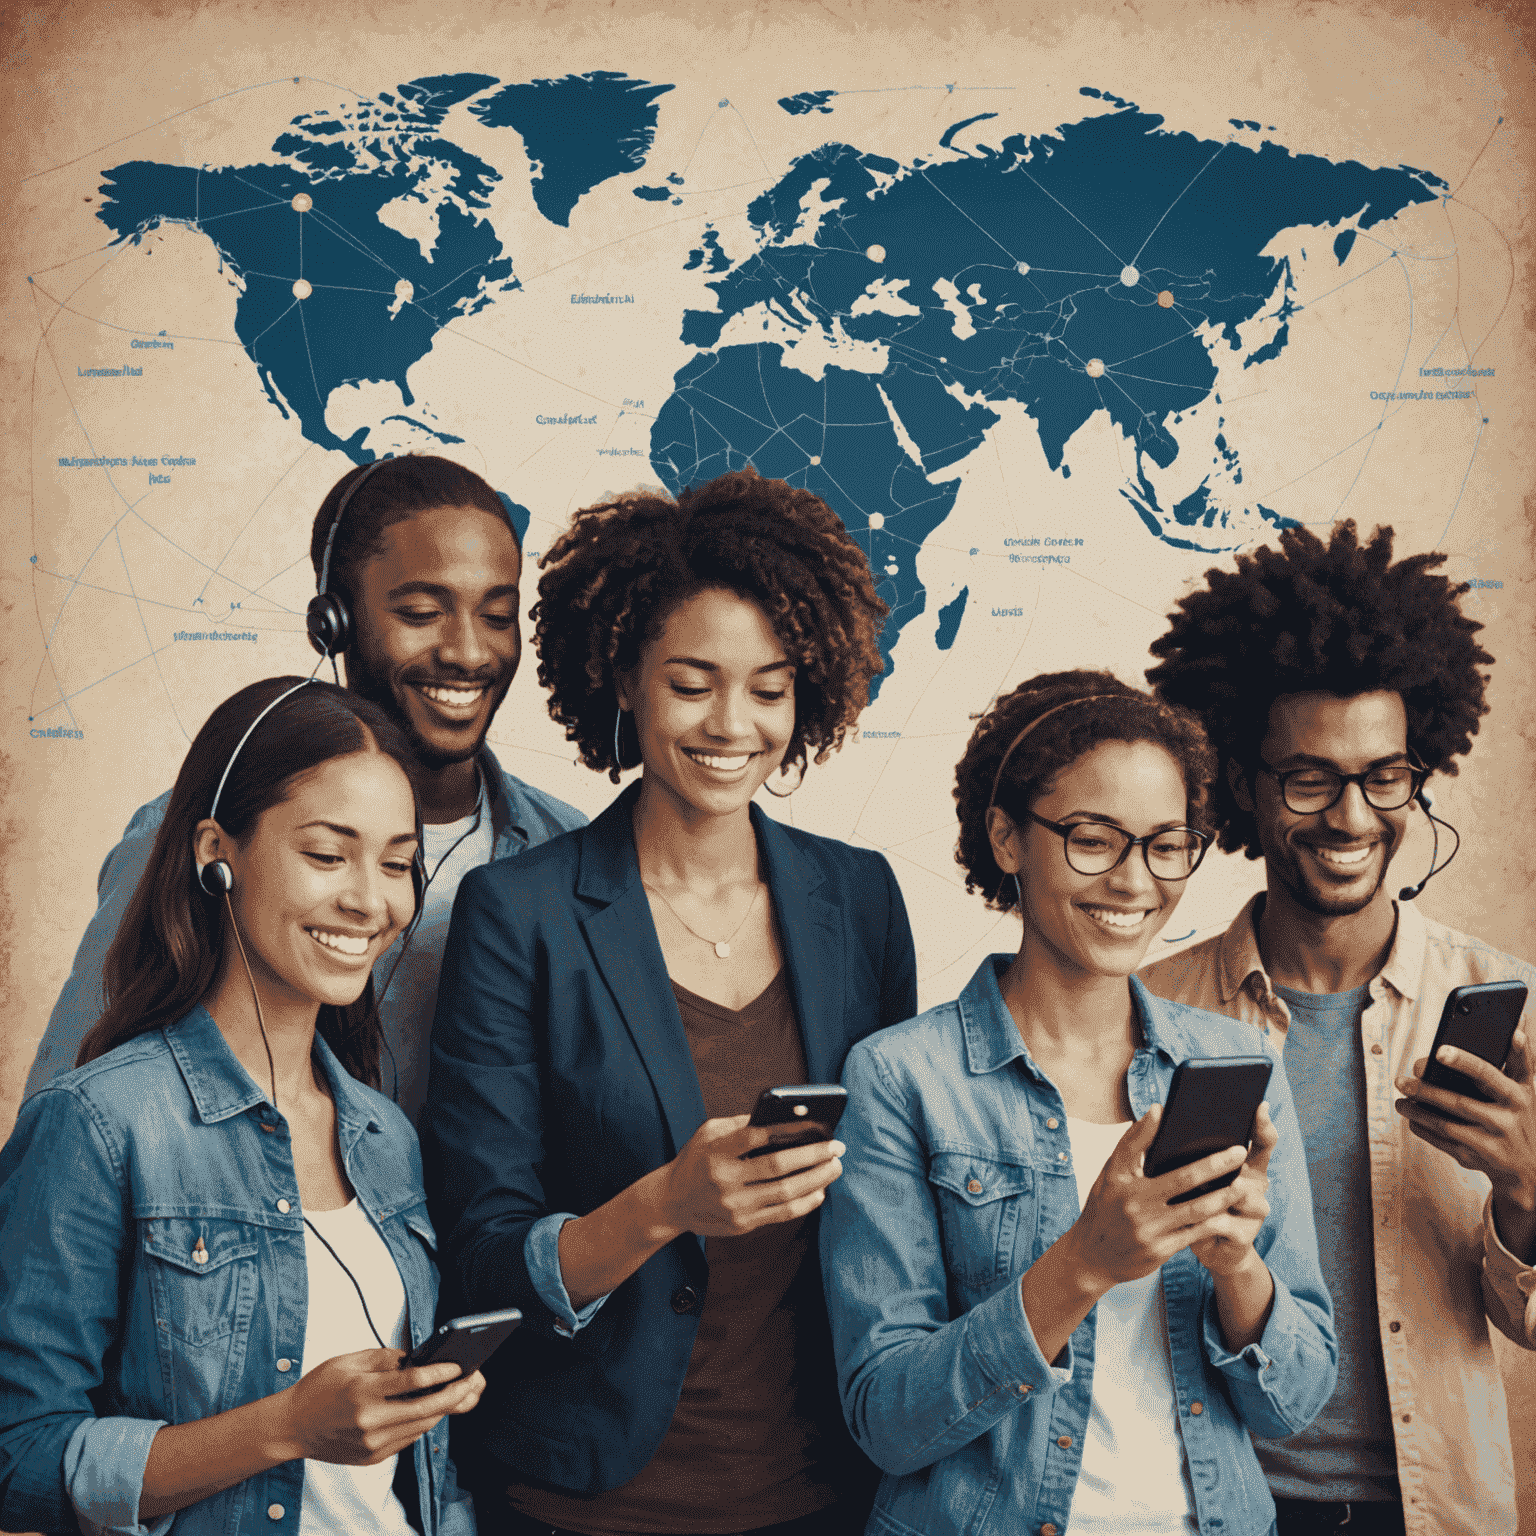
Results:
1306 791
1095 847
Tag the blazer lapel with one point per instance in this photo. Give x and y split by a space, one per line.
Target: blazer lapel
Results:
812 932
623 941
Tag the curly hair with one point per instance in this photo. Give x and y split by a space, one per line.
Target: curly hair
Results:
1335 618
1102 708
613 578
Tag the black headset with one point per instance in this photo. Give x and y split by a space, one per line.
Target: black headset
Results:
1409 892
327 620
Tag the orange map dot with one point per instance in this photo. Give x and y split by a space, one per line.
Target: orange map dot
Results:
1165 299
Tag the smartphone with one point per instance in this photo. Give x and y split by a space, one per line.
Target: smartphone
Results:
813 1109
468 1341
1211 1104
1480 1019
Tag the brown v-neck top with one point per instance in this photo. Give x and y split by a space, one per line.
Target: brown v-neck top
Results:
739 1452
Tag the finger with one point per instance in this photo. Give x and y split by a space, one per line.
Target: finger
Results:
1219 1202
776 1165
1429 1130
1458 1105
1266 1137
728 1128
1181 1180
771 1192
1140 1136
1483 1073
415 1377
790 1210
1519 1067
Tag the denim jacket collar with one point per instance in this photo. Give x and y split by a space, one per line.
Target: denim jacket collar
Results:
992 1038
221 1087
1239 964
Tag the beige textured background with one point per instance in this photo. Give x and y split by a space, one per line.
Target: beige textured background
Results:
84 86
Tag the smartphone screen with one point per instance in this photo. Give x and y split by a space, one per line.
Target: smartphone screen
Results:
1211 1104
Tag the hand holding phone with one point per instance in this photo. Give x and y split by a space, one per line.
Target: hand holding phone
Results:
809 1111
467 1341
1480 1020
1211 1105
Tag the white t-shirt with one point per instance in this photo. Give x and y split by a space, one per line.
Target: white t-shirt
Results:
340 1501
1134 1479
452 849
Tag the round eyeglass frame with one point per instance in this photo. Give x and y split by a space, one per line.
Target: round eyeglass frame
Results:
1417 776
1065 829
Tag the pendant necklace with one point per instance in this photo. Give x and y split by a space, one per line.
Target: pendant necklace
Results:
722 947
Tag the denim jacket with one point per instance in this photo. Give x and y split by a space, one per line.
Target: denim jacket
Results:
112 1328
958 1176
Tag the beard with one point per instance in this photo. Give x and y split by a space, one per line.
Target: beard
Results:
1320 904
373 684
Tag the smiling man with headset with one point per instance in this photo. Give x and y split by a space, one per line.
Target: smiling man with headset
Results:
417 565
1333 683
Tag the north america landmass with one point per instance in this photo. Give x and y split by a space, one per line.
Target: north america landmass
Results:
1097 267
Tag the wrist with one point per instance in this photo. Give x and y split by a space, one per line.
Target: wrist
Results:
656 1223
1084 1279
278 1431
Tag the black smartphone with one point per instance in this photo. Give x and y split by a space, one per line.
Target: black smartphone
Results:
1480 1019
1211 1104
813 1109
468 1341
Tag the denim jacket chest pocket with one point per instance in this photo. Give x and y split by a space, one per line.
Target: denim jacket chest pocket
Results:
988 1209
203 1277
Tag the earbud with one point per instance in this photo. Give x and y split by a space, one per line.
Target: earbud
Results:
1409 892
327 621
216 877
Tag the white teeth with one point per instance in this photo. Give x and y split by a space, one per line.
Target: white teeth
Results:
1344 858
453 696
1111 919
344 943
720 762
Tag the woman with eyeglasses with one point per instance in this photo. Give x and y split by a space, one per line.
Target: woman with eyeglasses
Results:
1029 1336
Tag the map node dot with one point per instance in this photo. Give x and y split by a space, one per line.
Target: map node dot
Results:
1130 276
405 290
815 458
301 289
943 359
1023 269
726 102
892 569
302 202
1165 299
876 253
1095 368
877 520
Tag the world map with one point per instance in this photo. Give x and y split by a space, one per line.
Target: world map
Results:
863 343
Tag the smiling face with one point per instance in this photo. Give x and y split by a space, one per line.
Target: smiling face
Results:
1331 863
714 703
323 881
1098 925
438 640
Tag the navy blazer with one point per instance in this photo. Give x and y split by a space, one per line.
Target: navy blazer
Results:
561 1074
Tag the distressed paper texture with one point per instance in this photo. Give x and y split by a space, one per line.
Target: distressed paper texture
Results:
578 348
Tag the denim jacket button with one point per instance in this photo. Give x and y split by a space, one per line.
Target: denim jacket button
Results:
284 1207
1197 1408
1061 1157
974 1185
1065 1442
1053 1124
285 1365
275 1511
1376 1049
1047 1529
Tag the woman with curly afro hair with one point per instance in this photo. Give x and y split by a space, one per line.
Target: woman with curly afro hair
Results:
1032 1332
612 1011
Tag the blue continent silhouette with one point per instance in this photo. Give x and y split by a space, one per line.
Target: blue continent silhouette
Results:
1016 259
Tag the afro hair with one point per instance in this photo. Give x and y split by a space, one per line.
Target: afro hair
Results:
1335 618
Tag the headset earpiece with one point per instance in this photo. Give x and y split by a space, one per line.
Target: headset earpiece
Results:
328 623
419 879
216 877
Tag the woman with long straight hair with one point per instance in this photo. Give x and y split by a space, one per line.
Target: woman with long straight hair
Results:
612 1007
214 1241
1032 1333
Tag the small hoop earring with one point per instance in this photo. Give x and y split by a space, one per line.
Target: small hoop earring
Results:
777 795
1020 890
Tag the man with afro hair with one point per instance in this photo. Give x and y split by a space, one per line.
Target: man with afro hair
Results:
1333 684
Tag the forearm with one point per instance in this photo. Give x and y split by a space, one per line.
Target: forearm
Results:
189 1462
1244 1299
1058 1293
600 1251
